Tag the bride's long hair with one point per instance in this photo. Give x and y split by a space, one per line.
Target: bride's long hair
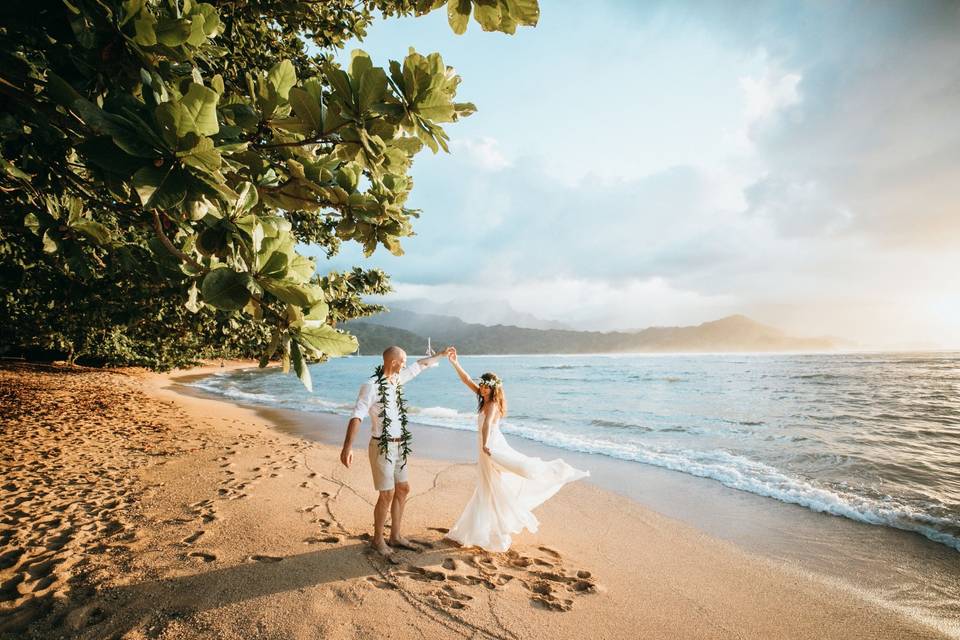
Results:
497 395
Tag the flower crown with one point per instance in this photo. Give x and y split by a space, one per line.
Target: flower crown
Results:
492 383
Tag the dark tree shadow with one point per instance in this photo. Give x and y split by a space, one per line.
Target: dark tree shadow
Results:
115 611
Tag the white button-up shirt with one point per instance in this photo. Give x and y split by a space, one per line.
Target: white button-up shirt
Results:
368 401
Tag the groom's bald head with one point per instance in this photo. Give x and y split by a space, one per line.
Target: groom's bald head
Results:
393 359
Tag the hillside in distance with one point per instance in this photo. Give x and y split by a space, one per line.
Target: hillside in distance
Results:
410 330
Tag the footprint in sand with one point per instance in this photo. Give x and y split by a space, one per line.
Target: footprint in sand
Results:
10 589
421 574
380 584
326 539
206 557
204 510
449 598
549 585
10 558
423 543
263 558
193 537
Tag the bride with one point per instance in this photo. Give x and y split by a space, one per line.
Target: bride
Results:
509 484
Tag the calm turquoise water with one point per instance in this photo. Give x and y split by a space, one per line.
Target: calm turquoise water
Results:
871 437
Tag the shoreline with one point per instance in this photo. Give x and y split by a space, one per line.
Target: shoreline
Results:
614 354
760 525
199 518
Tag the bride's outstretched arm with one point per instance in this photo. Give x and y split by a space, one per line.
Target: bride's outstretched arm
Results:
464 376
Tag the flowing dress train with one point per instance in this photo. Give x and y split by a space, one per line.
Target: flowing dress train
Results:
509 486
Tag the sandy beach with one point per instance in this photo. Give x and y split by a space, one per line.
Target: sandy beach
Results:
131 510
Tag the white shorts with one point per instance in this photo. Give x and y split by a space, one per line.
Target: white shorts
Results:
386 473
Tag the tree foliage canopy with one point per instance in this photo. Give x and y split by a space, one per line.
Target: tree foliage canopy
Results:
162 160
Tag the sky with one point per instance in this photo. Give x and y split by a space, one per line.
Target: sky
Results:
669 163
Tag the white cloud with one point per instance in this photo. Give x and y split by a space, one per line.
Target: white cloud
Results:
484 152
767 94
797 206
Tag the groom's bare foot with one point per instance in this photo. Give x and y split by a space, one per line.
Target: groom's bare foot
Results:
403 543
381 547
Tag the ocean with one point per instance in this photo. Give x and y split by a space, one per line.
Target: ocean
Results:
871 437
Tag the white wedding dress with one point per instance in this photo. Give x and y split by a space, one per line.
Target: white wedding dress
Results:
509 486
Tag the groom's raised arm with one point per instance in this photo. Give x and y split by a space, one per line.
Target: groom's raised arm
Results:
409 373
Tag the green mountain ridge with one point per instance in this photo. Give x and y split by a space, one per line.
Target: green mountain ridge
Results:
410 330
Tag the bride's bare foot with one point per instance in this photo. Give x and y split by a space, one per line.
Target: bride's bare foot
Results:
403 543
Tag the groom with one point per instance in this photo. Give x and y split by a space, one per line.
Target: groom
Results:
379 398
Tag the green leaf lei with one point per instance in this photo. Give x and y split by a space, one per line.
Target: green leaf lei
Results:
383 443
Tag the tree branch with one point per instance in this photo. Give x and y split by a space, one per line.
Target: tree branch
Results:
169 246
296 143
318 139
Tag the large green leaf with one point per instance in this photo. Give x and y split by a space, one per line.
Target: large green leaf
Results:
146 31
50 241
192 304
201 105
30 221
211 21
160 188
458 15
226 289
307 108
198 34
301 268
282 77
248 198
526 12
172 33
203 156
317 315
102 152
300 295
300 365
275 266
60 90
487 13
93 230
195 113
373 86
329 341
124 132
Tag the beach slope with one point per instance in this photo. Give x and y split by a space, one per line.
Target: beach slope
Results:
133 511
